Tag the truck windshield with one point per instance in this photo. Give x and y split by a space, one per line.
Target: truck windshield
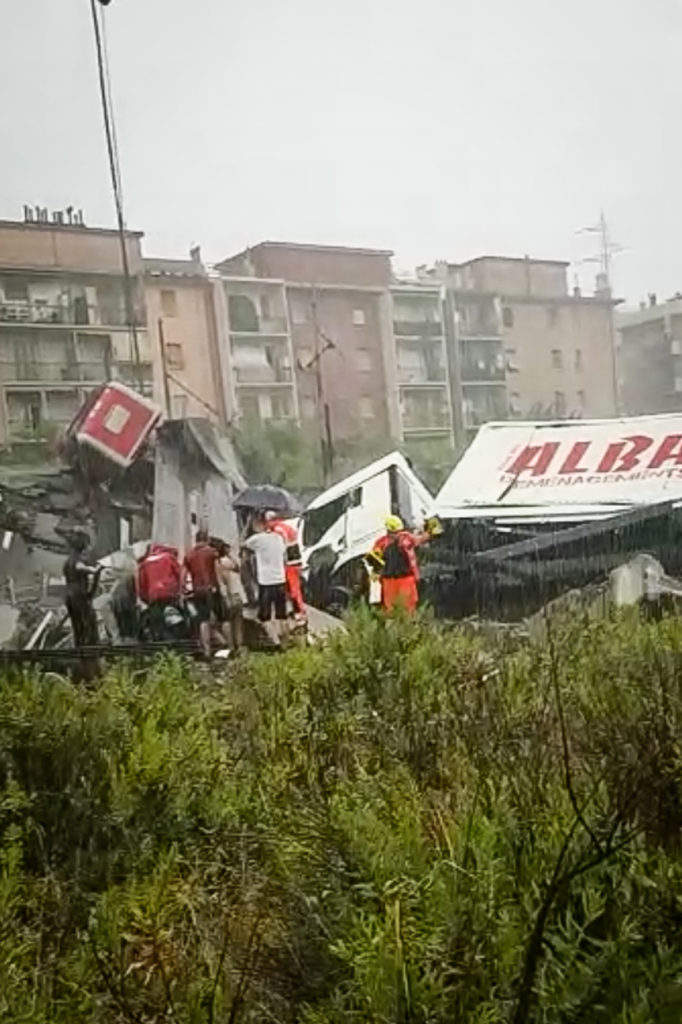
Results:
317 521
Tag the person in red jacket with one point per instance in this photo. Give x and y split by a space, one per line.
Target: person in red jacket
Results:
201 562
394 558
293 563
159 584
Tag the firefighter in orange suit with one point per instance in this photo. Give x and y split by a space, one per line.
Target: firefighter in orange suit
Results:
394 558
293 563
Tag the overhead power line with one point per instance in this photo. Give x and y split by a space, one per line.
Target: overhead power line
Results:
115 172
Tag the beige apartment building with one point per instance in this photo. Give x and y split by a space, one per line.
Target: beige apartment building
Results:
317 335
650 356
307 331
188 374
64 322
527 347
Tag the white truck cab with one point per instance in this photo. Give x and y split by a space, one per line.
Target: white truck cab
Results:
349 517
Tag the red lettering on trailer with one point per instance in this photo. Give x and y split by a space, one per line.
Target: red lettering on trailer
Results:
534 457
670 448
620 460
571 463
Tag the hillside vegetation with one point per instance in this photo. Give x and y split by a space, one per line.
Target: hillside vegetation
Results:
402 826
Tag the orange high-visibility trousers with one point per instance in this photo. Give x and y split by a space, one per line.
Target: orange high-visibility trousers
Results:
400 592
293 578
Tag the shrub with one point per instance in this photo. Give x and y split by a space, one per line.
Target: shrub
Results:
405 824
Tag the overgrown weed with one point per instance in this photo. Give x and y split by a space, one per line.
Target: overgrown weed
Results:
404 824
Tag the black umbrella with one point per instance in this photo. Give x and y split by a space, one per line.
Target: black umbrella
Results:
266 497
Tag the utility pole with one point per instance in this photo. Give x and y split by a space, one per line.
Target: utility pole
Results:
164 369
323 412
115 172
607 249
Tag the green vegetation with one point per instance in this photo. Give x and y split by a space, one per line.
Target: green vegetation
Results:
284 454
400 826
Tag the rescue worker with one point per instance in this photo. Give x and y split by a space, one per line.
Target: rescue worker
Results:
293 562
393 557
159 585
81 584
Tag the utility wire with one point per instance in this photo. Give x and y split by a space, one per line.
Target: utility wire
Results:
114 170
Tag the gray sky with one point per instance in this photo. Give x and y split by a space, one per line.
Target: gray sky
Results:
437 128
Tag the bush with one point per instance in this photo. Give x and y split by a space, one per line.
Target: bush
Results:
403 825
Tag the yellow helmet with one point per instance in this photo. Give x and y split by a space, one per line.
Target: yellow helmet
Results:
394 524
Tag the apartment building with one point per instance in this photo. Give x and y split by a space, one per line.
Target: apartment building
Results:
307 330
527 347
650 357
188 375
419 351
64 322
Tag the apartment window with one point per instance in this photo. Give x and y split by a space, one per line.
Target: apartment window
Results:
512 362
515 403
552 316
507 316
578 360
557 359
366 407
174 357
15 291
559 403
363 359
169 304
359 317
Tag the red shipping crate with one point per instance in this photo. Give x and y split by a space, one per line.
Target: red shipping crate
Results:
118 423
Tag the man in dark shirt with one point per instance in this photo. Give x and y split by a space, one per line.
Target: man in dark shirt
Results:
200 563
81 584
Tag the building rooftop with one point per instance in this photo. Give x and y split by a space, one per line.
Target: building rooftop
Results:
512 259
347 250
51 225
156 267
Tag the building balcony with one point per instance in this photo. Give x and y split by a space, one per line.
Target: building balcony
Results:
441 425
417 328
480 332
272 326
254 375
481 372
53 373
433 376
75 314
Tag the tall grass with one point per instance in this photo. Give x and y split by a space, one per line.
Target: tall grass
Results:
405 825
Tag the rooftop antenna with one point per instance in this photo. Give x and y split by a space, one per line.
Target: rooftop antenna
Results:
607 250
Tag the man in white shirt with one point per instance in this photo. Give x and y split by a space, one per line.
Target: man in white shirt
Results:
270 552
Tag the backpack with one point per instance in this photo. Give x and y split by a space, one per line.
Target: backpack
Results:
162 577
396 561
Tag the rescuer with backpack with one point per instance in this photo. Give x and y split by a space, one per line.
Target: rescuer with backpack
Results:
394 559
159 585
